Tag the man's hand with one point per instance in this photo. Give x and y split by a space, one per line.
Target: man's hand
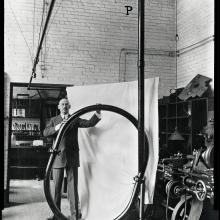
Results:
98 111
64 121
57 127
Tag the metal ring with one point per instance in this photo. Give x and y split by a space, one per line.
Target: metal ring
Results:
208 156
200 190
61 133
179 208
171 187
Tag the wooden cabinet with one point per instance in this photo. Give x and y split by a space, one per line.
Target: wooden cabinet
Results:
26 122
189 117
28 162
29 151
31 108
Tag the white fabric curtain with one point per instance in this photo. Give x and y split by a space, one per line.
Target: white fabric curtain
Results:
109 151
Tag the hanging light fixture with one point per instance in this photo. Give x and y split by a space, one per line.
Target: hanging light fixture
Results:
176 136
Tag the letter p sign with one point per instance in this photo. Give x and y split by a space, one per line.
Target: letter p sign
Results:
129 8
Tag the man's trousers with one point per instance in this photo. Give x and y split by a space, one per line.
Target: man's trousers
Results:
72 188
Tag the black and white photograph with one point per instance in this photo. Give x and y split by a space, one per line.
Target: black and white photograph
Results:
109 110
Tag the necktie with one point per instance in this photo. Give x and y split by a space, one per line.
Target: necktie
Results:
65 117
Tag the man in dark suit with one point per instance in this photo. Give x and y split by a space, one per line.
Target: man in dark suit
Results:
68 158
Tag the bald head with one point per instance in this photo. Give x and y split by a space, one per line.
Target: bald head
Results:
64 106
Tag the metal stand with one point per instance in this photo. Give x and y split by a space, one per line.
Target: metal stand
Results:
141 152
142 197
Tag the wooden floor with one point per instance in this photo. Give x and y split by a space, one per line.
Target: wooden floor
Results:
28 202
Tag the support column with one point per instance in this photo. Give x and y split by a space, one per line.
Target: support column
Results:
141 139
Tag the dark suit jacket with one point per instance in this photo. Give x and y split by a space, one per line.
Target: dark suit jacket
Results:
69 147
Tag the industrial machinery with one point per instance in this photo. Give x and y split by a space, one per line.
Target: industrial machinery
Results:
189 178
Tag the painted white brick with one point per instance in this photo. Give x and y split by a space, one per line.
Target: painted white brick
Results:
94 26
195 22
85 39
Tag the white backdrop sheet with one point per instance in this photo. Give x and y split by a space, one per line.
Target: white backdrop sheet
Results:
109 151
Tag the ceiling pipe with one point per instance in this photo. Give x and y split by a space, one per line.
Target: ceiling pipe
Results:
36 60
195 45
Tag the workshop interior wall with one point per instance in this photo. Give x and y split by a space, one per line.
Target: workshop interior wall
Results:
87 41
195 28
93 42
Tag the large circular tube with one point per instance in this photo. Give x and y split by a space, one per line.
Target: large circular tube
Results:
61 133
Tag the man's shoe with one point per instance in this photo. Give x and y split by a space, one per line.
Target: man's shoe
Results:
52 218
79 217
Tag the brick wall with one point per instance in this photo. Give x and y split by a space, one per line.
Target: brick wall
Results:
159 45
86 38
91 42
86 42
155 65
195 26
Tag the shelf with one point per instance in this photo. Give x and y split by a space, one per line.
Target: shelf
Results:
31 147
20 131
27 160
26 135
164 132
187 101
28 117
27 167
178 117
